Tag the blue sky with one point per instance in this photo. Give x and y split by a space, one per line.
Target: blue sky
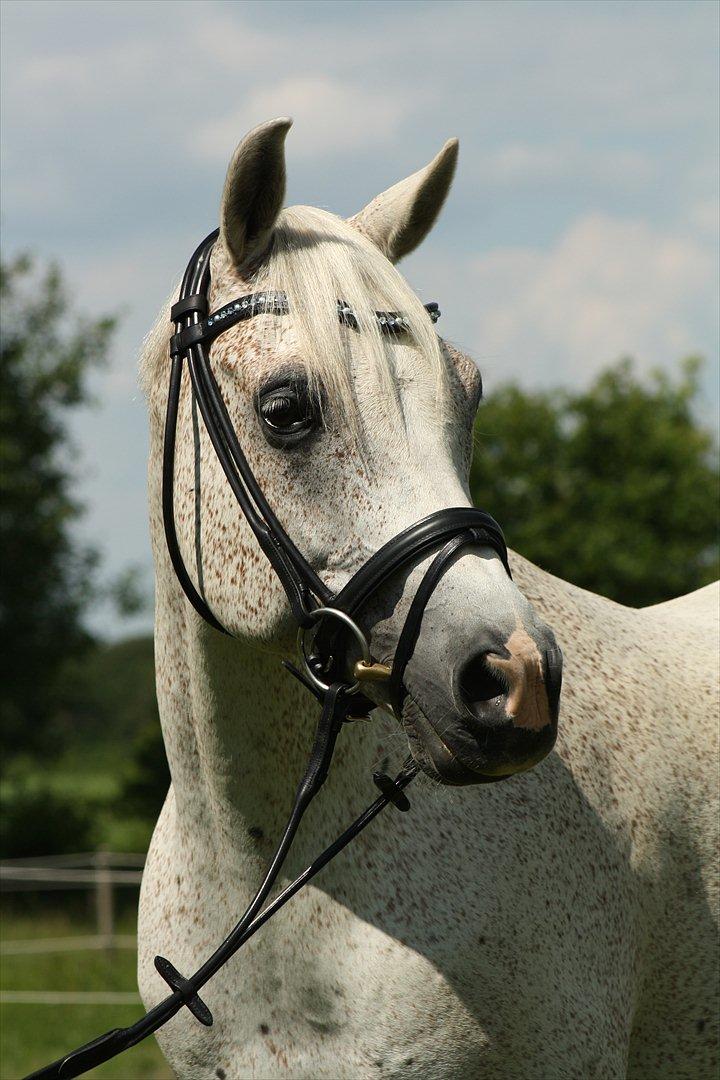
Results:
582 226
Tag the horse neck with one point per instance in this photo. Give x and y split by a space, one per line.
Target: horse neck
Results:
238 731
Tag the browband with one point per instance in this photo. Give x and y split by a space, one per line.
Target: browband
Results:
265 303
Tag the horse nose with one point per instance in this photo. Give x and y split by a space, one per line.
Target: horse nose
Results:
477 682
508 698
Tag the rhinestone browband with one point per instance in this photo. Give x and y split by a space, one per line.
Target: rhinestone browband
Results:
271 303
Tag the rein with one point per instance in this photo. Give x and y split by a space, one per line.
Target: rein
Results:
324 620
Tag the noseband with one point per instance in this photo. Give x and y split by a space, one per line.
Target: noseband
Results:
325 621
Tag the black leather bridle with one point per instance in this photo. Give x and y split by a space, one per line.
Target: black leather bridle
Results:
324 621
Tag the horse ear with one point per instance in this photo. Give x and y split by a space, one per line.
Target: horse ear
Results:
254 191
399 219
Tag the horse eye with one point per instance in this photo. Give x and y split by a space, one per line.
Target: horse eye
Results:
283 413
286 414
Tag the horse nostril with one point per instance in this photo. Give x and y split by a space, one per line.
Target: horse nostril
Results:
476 682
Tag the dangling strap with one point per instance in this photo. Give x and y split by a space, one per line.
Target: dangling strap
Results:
186 990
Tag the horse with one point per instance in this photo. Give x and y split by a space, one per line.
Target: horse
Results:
548 908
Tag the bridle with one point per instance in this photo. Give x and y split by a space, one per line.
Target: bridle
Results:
324 622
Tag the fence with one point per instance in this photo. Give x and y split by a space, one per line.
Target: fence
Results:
101 871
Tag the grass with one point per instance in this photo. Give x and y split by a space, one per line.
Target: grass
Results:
33 1035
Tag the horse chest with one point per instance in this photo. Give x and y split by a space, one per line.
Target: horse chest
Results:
327 994
399 966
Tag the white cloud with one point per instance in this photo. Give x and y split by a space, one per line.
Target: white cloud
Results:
331 115
593 124
705 217
608 287
528 164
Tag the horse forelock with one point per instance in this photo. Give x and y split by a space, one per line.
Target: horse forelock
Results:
317 258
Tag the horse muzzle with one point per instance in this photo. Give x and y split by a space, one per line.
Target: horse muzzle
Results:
503 719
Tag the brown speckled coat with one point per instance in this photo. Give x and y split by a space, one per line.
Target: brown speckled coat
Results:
557 925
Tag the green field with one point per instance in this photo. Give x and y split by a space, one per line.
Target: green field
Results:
32 1035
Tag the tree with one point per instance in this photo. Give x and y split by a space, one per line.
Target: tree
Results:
46 579
614 488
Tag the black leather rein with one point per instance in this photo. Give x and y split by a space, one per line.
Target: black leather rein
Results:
322 617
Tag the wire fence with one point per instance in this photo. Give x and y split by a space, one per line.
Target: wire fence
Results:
68 997
100 871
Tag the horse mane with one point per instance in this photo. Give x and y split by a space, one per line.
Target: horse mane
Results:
317 258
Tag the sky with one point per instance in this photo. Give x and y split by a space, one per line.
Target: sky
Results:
582 225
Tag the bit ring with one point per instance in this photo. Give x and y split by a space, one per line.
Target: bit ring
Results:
330 612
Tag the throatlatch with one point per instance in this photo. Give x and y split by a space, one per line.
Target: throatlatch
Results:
322 619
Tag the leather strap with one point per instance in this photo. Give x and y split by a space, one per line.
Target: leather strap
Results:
197 302
266 303
412 544
411 630
185 991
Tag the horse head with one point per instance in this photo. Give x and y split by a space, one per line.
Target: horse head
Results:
353 435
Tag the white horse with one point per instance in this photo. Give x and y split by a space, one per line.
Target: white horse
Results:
558 924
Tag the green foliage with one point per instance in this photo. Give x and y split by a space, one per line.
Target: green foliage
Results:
36 820
115 707
109 782
129 592
614 488
147 775
46 582
110 694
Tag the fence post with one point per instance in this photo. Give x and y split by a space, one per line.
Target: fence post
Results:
104 899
